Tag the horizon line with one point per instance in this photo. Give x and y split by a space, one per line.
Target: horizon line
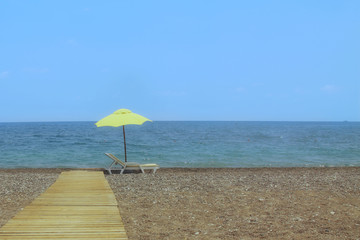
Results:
64 121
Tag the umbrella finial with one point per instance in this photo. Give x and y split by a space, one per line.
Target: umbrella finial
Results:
122 111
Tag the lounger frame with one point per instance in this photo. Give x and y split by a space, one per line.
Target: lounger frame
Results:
129 165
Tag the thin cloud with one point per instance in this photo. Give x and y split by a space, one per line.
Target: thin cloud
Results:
72 42
173 93
240 90
329 88
4 74
35 70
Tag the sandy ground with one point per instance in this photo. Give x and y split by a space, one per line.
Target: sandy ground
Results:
263 203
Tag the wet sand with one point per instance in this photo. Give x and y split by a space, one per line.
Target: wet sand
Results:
258 203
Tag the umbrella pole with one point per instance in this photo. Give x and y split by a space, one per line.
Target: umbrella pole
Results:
124 142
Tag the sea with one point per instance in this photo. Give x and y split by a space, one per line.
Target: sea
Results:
185 144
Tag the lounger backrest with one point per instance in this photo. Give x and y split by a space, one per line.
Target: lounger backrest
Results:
118 161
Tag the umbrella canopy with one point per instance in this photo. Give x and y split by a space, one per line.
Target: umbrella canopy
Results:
122 117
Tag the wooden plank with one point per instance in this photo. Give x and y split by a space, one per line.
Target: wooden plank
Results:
79 205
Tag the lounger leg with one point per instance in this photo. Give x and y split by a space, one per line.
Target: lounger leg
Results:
122 170
109 168
142 170
154 170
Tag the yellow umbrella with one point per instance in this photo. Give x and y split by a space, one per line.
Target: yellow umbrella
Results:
122 117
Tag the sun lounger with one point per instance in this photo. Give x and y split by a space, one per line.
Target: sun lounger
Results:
130 165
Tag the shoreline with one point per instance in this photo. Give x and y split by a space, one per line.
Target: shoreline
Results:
180 168
216 203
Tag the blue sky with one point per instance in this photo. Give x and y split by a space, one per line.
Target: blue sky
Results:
180 60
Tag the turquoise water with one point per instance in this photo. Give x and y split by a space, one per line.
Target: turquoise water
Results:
182 144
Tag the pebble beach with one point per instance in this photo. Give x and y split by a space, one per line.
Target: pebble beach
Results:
217 203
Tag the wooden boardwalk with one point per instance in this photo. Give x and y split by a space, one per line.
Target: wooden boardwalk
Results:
79 205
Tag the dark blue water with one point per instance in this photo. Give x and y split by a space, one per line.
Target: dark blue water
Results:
182 144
